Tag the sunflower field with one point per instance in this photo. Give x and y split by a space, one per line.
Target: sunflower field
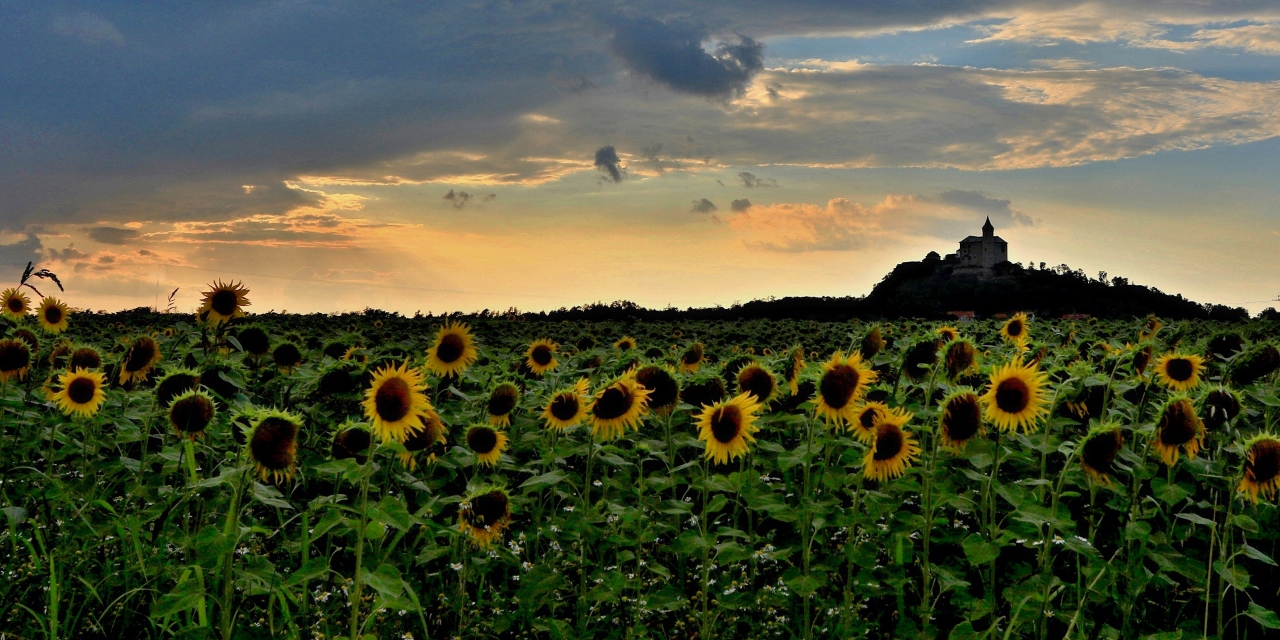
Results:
231 475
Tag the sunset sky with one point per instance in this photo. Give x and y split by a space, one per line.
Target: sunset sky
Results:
442 156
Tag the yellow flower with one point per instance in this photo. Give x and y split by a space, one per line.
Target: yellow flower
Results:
223 302
617 407
487 443
395 401
567 407
484 515
844 381
53 315
1015 329
541 356
1261 466
892 449
81 392
143 354
273 444
727 427
1099 449
1179 430
1180 372
15 303
502 403
961 419
1016 399
453 351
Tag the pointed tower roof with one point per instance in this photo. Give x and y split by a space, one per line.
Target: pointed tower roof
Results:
988 229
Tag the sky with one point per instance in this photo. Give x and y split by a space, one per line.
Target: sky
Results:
457 156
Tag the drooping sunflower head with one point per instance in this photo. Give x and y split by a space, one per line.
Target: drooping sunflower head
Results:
961 358
920 358
351 441
502 403
947 333
893 449
487 443
255 341
568 407
430 439
1178 431
541 356
625 343
484 515
1099 449
758 381
395 401
692 358
1142 355
1224 345
80 392
223 301
617 407
961 419
59 354
1015 329
286 356
16 303
191 413
28 337
703 389
454 350
1180 371
844 381
1220 405
865 418
143 354
1261 467
15 359
664 391
1149 328
727 427
1016 399
84 358
53 314
1256 363
872 343
796 369
273 444
174 384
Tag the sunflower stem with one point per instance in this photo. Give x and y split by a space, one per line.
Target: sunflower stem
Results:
356 582
807 534
705 628
1208 569
189 446
231 530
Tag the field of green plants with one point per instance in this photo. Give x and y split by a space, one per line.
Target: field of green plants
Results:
377 476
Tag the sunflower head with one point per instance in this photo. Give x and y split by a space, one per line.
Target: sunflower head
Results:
254 340
191 413
617 407
80 392
1220 405
429 439
454 350
1142 355
84 358
15 359
920 358
351 441
1261 466
15 303
273 444
1015 329
796 369
844 381
961 419
758 381
53 315
1016 399
541 356
1099 449
1149 328
961 358
664 391
727 427
625 343
143 354
174 384
224 301
286 356
502 403
947 333
568 407
1178 431
892 448
692 358
484 515
1256 363
1180 371
865 418
487 443
395 401
872 343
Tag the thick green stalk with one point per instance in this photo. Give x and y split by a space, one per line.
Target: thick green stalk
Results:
703 519
231 531
356 581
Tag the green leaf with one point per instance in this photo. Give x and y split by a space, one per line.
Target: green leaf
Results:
1256 555
801 584
544 480
978 550
313 569
717 503
1196 519
1236 576
374 530
1245 522
393 513
1265 617
269 496
385 580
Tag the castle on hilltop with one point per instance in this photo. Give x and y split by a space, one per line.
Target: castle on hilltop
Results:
978 256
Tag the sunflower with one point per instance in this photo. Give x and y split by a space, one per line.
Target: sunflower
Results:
223 302
1099 449
947 333
351 441
502 402
1016 399
617 407
1149 328
394 402
81 392
960 358
484 515
53 315
273 444
1179 430
1261 466
1141 359
15 359
1256 363
143 354
255 341
625 343
58 355
758 381
692 358
892 449
844 380
664 391
357 355
191 413
865 418
84 358
727 426
1180 372
487 443
286 356
453 351
174 384
872 343
430 438
795 370
920 358
16 303
1015 329
961 419
541 356
567 407
1220 405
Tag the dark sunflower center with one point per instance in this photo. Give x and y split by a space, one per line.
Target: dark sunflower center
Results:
757 382
867 419
82 390
1100 451
1222 405
1013 395
726 423
274 443
419 440
85 358
693 356
1177 425
53 314
541 355
14 355
482 440
1141 359
451 348
1265 464
959 357
488 509
1015 328
351 442
174 386
502 402
223 302
191 414
962 419
140 356
625 345
286 355
16 305
1180 369
662 387
564 406
838 386
392 399
615 402
889 442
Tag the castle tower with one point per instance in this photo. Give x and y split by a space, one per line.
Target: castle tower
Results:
978 255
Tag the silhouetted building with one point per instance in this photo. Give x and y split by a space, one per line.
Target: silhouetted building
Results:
978 256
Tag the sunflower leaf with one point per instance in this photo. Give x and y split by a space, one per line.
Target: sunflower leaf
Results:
546 479
1263 616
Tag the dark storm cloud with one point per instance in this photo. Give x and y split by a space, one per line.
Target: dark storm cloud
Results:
459 199
18 254
674 55
740 205
750 180
703 206
111 235
1000 210
607 161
